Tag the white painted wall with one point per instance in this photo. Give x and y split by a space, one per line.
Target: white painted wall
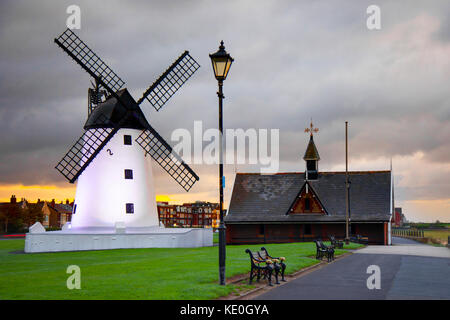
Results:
56 241
103 191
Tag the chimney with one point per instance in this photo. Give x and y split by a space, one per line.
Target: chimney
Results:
39 200
53 203
67 201
13 199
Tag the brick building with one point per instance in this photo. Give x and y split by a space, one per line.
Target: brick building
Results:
398 218
193 215
50 214
302 206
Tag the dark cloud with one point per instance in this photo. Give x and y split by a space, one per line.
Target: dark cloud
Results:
293 61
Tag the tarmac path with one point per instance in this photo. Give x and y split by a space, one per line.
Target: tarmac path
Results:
408 270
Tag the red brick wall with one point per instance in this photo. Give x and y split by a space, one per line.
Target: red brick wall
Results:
282 233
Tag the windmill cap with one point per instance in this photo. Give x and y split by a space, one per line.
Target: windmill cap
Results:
107 114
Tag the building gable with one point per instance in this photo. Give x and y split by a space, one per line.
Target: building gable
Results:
307 202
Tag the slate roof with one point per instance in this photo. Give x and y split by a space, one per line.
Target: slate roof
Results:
268 198
311 152
63 208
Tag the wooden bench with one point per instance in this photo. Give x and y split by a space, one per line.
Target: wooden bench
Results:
336 243
359 239
278 263
260 267
323 250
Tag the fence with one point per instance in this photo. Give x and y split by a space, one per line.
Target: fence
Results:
408 233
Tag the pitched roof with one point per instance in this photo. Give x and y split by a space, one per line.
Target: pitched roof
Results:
63 208
268 198
311 152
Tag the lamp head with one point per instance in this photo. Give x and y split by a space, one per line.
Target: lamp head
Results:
221 62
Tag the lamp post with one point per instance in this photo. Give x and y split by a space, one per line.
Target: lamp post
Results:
221 63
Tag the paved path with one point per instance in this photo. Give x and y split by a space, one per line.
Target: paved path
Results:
400 241
403 276
407 247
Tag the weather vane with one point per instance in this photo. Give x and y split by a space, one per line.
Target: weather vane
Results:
311 129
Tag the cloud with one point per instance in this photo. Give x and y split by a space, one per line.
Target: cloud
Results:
293 61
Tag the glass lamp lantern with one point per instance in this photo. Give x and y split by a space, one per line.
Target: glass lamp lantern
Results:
221 62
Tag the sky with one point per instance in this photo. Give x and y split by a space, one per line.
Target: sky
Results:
294 61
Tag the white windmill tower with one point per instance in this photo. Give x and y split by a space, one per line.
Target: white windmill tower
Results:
115 182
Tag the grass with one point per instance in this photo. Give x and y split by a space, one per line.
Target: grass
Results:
440 235
134 273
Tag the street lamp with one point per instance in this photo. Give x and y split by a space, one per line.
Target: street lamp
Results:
221 63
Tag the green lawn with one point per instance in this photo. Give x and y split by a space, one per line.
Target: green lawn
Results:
441 235
133 273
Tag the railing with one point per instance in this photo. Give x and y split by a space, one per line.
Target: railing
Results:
408 233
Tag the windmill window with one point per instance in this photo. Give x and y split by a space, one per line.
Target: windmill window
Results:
129 208
127 139
74 209
128 174
307 204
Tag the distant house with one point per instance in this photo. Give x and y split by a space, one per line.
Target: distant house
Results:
56 214
302 206
398 218
50 214
11 214
199 214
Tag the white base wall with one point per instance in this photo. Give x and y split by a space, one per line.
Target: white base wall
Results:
104 239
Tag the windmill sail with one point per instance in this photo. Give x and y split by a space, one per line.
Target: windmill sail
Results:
168 159
89 61
91 142
83 152
170 81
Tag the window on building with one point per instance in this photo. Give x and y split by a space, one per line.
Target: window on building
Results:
307 229
261 229
353 229
311 165
128 174
129 207
127 139
307 204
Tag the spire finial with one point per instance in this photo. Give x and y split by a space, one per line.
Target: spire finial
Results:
312 129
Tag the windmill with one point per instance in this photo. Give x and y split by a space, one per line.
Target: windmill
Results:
115 181
96 95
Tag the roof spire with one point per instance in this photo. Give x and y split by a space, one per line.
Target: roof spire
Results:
311 152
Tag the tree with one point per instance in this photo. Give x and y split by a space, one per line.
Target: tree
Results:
11 217
32 214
